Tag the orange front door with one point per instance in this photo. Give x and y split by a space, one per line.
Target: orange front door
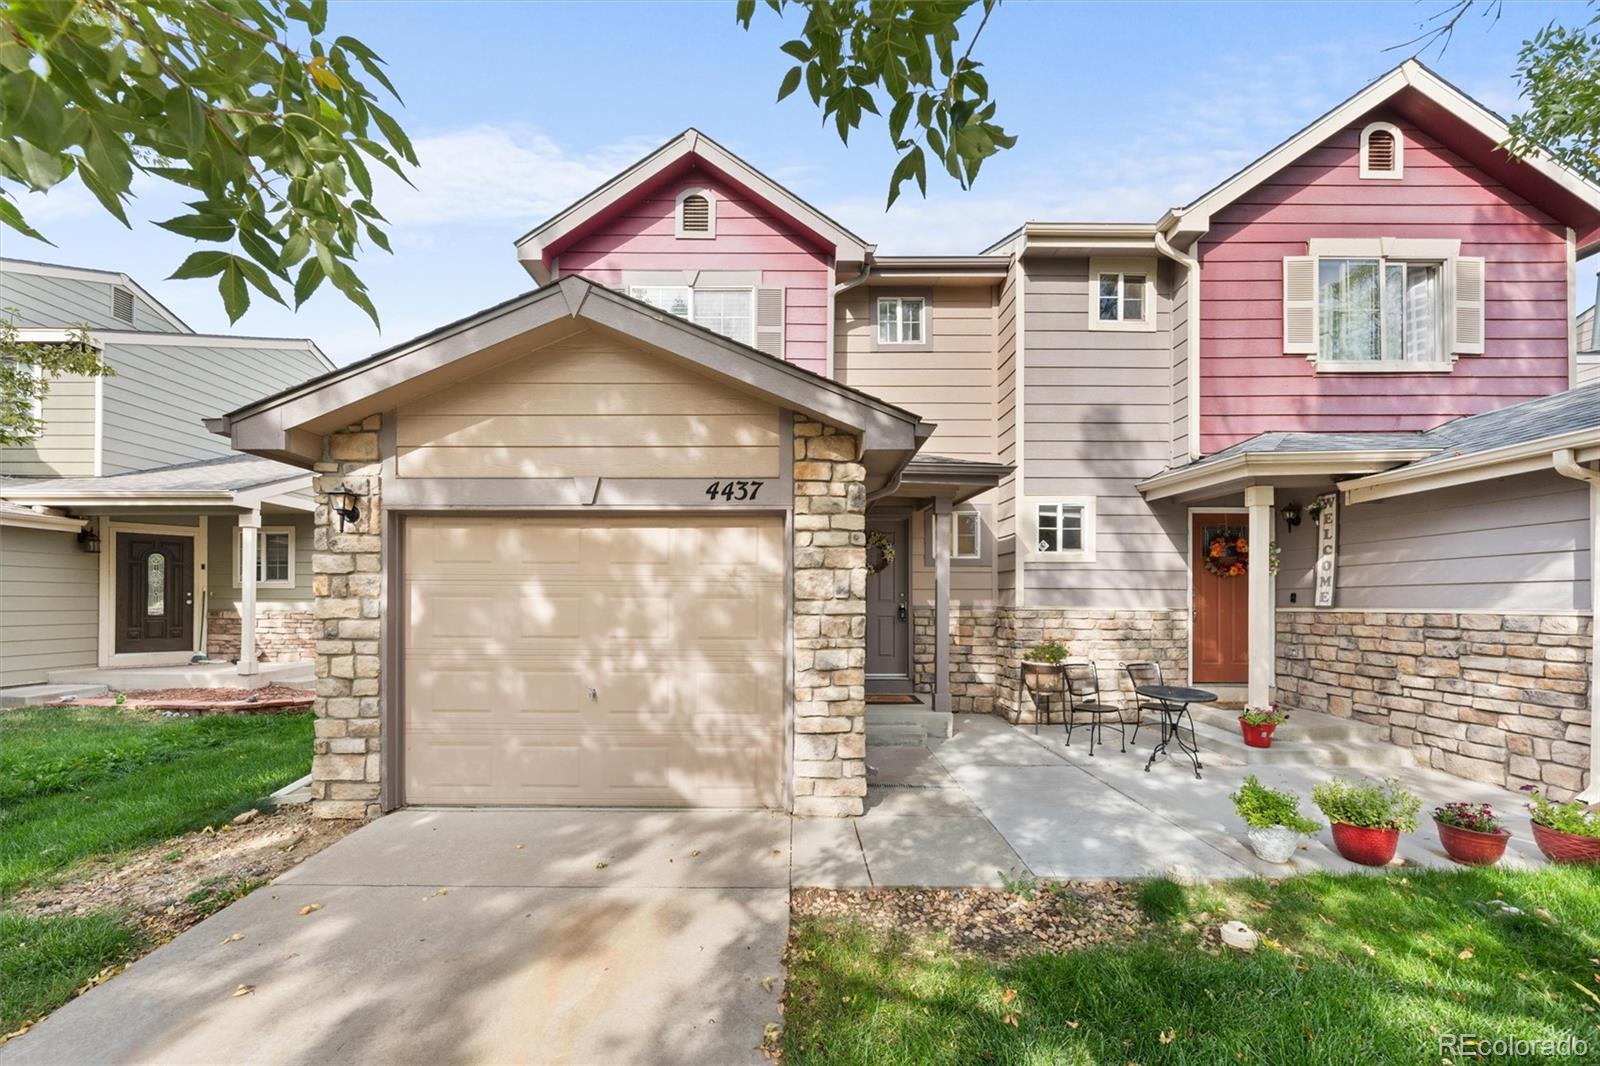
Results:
1221 599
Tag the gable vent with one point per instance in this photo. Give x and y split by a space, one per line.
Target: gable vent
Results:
696 214
1380 151
122 305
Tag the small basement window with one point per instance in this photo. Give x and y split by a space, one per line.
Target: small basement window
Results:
697 214
122 305
1382 151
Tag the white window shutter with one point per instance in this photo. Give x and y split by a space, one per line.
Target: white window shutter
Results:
1467 314
1300 304
769 321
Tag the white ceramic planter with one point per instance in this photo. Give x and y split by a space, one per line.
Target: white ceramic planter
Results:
1274 844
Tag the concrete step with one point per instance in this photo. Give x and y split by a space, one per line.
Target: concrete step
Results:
1357 746
936 724
895 736
37 695
1302 725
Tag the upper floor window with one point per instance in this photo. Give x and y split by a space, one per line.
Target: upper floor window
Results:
1121 294
697 214
1063 528
730 312
1382 151
900 319
122 304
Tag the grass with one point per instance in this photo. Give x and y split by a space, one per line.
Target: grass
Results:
96 782
1355 968
43 961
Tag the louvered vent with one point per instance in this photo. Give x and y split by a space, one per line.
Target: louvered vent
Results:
1380 152
122 305
696 214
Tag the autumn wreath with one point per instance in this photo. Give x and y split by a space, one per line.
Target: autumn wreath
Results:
1228 554
880 551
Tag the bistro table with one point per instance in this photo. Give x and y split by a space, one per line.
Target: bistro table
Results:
1174 701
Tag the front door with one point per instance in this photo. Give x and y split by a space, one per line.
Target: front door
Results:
1221 624
888 616
155 593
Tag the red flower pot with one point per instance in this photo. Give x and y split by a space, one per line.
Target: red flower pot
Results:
1367 846
1566 847
1257 736
1470 847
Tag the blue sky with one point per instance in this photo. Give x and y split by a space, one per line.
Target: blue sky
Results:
1123 110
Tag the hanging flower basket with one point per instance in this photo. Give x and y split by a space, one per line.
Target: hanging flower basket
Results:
880 552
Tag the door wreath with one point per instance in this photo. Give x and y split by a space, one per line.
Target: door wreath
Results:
880 551
1227 554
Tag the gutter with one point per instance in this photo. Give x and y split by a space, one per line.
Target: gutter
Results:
1191 266
1565 462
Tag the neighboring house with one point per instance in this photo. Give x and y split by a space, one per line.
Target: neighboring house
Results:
1588 347
655 532
121 523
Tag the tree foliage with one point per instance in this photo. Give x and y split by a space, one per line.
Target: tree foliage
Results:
1559 71
242 103
853 55
26 368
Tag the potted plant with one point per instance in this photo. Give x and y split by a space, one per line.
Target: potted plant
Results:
1257 724
1273 822
1566 832
1470 833
1368 817
1041 666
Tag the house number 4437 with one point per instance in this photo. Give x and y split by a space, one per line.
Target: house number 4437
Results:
733 491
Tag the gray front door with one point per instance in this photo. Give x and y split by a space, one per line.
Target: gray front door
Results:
888 616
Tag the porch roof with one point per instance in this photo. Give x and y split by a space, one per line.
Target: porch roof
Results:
942 475
240 482
1280 458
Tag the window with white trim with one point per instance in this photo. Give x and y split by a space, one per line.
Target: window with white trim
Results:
274 557
900 319
1380 309
1064 528
1120 297
730 312
966 535
1122 294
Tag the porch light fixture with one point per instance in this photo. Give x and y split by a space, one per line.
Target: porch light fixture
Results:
1290 513
344 505
89 540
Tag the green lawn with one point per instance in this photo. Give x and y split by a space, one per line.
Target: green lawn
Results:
1370 969
88 783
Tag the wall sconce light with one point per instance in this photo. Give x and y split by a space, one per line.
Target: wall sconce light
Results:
1290 513
89 540
344 505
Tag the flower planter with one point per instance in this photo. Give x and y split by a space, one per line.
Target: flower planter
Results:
1257 736
1366 845
1275 843
1042 677
1568 848
1470 847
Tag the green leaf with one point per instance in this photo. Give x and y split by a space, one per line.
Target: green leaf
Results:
202 265
910 166
186 117
898 116
32 110
235 292
394 134
11 216
799 50
306 283
791 82
200 227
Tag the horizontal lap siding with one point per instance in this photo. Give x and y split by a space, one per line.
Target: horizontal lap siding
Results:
1250 386
1098 419
588 407
49 593
66 447
223 584
640 236
52 302
1519 543
1005 497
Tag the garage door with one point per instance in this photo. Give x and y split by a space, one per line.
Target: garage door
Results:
594 662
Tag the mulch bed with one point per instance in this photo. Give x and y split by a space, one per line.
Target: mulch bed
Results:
989 922
263 700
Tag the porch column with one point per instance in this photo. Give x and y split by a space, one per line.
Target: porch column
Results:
1263 637
249 530
941 603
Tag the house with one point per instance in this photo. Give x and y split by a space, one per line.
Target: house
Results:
1588 347
122 525
657 531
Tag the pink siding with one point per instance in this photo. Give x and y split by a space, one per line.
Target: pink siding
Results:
1249 386
638 235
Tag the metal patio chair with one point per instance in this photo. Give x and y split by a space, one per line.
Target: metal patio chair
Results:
1083 697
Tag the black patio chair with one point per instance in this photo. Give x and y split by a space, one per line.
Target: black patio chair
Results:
1140 675
1083 697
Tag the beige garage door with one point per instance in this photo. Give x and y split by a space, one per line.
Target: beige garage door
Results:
614 662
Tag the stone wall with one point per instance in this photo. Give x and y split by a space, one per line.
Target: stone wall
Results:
830 622
975 661
1490 697
281 636
1106 637
348 581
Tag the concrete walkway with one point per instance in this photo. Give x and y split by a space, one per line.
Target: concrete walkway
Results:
996 801
478 936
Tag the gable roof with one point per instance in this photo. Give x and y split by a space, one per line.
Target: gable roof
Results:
689 146
228 480
105 277
288 425
1423 96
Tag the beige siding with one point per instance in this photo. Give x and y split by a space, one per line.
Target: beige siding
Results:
221 581
588 406
1519 543
1098 419
46 302
1006 338
66 447
1180 364
49 592
971 583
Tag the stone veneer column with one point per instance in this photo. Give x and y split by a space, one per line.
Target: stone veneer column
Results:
830 622
348 582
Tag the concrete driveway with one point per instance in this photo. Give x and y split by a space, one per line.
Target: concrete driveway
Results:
514 936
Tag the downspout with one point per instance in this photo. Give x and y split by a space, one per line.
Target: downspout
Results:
1191 266
866 272
1566 464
